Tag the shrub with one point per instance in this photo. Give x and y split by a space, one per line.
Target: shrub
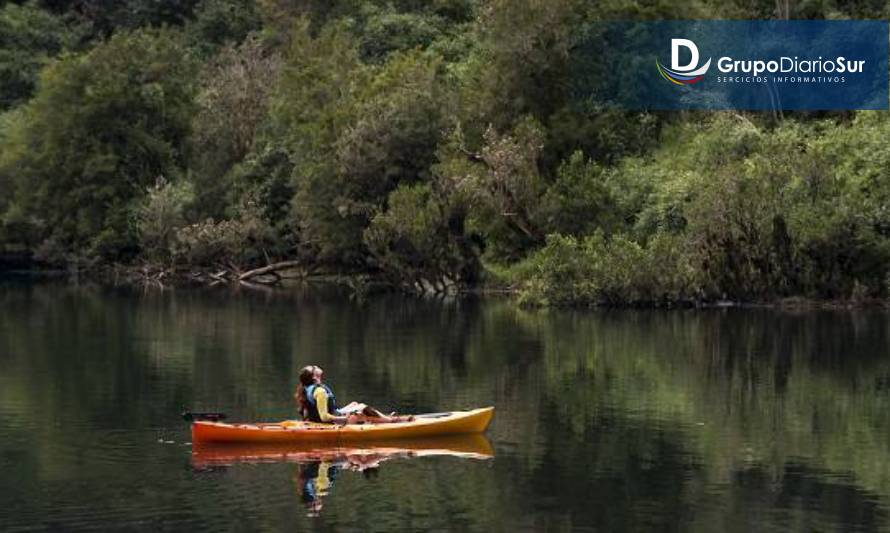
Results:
160 214
415 242
231 243
596 270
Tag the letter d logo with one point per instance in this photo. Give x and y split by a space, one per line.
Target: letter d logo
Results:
683 74
675 55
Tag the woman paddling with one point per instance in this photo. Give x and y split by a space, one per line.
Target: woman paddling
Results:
317 403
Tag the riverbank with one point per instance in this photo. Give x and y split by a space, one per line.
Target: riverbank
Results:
286 278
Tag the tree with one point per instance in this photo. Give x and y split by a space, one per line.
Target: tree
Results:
29 38
386 31
220 22
310 108
419 241
502 182
355 134
579 201
160 214
232 105
231 244
106 17
101 129
519 65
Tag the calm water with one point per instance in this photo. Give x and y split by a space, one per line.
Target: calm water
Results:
729 420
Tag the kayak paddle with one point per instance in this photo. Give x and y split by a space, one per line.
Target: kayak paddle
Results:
189 416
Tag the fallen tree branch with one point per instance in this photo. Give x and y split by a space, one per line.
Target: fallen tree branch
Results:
269 269
218 276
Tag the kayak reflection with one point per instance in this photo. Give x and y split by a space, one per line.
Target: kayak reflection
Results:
318 466
467 446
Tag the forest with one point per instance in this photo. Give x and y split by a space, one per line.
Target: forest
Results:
431 145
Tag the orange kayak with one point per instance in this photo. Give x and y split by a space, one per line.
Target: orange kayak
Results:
470 446
436 424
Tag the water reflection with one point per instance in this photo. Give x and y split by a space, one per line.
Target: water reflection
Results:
318 466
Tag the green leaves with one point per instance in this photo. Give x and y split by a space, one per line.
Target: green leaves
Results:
103 126
221 22
356 133
418 241
160 214
29 38
232 107
386 31
411 137
596 270
580 200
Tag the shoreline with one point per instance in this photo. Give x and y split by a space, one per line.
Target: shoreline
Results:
366 283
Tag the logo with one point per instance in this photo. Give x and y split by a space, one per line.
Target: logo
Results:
733 64
683 74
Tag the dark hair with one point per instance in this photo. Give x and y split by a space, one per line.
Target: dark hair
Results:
307 377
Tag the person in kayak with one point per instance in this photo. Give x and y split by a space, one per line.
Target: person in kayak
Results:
318 404
315 399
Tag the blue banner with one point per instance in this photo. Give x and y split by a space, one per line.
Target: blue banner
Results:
732 64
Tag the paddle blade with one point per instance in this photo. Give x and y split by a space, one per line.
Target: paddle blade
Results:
189 416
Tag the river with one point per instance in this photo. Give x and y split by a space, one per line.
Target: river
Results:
689 420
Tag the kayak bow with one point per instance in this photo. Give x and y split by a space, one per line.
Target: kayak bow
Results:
449 423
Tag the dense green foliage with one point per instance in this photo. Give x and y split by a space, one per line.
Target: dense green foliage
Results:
29 38
103 126
420 141
729 209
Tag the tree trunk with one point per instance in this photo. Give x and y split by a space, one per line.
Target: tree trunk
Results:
269 269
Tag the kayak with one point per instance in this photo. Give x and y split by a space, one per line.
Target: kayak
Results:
427 425
469 446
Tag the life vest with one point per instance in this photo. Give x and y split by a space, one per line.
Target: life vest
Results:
313 407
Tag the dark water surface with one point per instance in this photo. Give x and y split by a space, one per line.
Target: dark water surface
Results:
717 420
